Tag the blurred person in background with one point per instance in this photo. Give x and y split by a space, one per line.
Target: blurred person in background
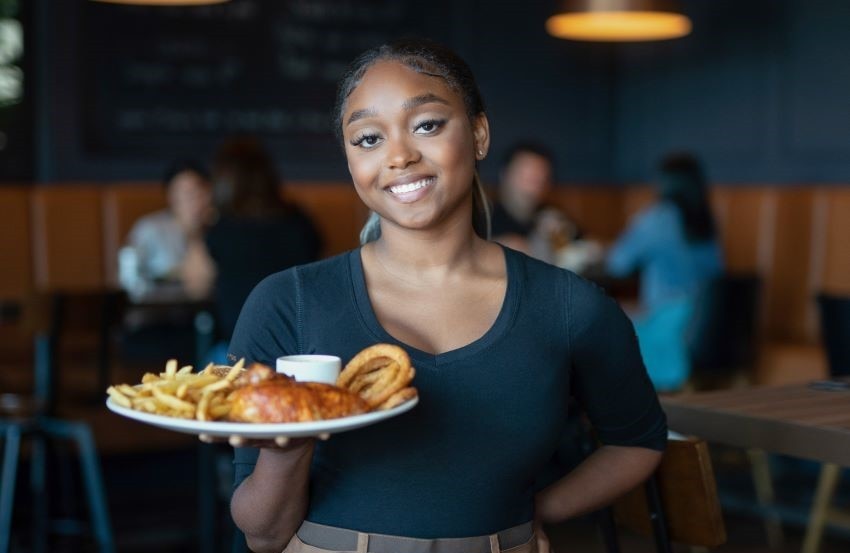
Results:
158 243
520 217
673 245
255 233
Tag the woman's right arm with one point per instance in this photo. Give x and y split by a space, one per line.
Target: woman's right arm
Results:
270 504
271 496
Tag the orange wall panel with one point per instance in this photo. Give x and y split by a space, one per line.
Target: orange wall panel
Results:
15 243
67 238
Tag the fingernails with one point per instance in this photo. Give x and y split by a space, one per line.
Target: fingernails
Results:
236 441
281 441
206 438
324 436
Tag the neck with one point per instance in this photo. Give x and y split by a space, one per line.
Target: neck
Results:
427 254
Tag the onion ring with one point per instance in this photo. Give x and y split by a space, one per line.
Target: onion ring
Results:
377 374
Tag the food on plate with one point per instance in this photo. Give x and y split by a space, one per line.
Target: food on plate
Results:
377 378
267 397
381 375
180 392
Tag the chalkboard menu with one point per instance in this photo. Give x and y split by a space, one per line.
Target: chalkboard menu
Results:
163 81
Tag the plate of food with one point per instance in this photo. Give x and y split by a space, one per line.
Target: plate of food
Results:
258 403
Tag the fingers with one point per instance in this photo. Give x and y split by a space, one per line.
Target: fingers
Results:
210 439
280 442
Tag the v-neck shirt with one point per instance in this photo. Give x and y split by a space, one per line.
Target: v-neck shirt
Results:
491 414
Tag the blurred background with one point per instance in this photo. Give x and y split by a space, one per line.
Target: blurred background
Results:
98 100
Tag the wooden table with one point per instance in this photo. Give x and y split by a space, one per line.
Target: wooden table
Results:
793 420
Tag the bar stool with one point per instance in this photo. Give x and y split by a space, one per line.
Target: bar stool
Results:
52 220
25 417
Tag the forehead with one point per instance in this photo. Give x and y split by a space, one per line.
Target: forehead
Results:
390 83
530 159
185 180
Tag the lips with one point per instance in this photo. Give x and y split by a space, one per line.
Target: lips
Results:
410 189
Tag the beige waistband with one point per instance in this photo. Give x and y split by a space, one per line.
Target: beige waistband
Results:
342 539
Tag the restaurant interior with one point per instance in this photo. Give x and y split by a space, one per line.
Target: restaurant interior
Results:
99 98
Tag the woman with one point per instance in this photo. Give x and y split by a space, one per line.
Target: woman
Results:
673 244
496 338
256 233
158 242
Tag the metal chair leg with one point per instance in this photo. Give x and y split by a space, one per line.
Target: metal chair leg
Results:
607 529
656 516
95 491
7 483
94 488
38 486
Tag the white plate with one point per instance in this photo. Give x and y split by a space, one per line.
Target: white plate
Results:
262 431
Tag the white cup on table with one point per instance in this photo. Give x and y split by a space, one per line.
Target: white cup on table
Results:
310 368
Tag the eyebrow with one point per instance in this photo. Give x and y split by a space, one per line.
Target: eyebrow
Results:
408 105
361 114
428 98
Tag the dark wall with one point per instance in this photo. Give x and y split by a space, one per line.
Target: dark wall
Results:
124 92
759 90
541 88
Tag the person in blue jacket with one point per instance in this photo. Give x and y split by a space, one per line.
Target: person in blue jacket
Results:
673 245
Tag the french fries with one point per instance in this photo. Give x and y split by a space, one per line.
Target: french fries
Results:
180 392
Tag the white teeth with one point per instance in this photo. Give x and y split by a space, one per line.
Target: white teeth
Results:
405 188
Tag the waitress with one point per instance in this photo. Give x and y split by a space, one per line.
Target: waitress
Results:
499 341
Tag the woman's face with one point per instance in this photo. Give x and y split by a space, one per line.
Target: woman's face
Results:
411 147
189 198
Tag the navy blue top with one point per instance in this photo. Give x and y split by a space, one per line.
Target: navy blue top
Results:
464 461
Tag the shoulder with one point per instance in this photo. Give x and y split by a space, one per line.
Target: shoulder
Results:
315 274
654 213
154 221
544 282
539 272
662 212
328 270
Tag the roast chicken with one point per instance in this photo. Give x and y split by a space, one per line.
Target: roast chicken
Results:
264 396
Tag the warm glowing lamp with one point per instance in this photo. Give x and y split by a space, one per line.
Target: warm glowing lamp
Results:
164 2
619 20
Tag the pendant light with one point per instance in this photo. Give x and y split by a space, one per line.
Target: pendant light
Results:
619 20
164 2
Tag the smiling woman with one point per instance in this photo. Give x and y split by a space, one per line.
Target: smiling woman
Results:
449 108
499 342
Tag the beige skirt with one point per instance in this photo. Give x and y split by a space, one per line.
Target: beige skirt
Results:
317 538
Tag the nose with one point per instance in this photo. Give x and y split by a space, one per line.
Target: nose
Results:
401 153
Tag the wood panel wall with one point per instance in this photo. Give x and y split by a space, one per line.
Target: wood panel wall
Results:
796 238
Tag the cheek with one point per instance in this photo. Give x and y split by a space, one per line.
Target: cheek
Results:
454 154
364 169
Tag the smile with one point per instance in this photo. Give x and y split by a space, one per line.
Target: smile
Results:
411 187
